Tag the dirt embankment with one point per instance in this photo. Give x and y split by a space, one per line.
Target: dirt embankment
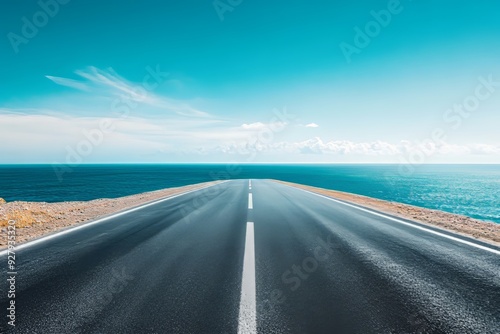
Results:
35 219
482 230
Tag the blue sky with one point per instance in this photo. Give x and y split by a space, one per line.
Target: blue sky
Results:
256 81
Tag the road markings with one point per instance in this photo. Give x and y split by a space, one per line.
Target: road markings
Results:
51 236
491 250
250 184
247 321
250 201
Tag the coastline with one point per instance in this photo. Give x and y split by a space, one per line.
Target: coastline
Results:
37 219
484 231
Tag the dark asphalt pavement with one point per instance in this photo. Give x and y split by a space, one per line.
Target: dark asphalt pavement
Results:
320 267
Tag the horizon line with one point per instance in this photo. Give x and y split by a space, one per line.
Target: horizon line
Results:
244 163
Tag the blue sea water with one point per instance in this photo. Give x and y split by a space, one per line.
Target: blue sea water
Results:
472 190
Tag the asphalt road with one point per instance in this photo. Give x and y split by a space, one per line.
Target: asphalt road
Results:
261 257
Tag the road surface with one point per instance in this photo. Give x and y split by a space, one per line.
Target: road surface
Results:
254 257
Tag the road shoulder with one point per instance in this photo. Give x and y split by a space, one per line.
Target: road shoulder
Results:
487 232
37 219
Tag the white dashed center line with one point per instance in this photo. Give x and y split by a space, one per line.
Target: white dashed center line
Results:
247 322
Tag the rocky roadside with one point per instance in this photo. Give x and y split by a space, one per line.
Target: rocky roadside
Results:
35 219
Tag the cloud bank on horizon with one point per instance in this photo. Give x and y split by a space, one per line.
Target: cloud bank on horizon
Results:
376 82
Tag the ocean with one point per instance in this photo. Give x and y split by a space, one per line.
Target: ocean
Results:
472 190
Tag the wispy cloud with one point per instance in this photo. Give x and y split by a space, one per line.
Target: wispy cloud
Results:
109 83
69 83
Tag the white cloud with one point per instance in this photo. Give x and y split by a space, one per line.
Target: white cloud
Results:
312 125
110 83
45 137
375 148
42 137
257 126
80 85
253 126
485 149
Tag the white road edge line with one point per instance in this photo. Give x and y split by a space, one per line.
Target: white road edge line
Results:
79 227
250 201
247 320
494 251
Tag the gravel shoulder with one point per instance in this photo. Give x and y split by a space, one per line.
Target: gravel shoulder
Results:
36 219
482 230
